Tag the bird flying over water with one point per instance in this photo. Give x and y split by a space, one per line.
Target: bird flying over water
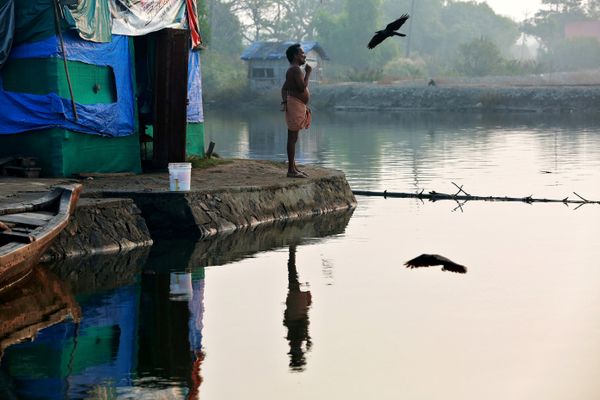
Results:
389 31
428 260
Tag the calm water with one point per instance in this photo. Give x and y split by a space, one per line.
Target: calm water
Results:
325 309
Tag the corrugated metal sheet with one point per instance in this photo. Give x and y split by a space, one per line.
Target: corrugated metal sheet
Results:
276 50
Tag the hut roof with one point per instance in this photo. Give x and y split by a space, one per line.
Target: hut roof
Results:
276 50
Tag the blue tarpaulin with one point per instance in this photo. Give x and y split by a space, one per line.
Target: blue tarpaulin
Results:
20 112
194 108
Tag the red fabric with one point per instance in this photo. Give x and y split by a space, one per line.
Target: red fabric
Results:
193 23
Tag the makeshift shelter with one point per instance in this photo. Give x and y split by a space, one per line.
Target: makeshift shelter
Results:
85 90
267 63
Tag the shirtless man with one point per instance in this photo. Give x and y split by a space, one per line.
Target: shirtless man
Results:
295 96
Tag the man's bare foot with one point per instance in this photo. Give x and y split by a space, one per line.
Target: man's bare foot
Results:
295 174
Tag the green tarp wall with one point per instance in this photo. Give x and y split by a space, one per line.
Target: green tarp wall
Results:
61 152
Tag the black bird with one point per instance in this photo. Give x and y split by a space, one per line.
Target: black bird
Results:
428 260
389 31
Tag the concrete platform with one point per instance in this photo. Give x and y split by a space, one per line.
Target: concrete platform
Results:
121 212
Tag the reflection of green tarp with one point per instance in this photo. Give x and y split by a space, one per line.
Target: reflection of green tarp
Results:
95 346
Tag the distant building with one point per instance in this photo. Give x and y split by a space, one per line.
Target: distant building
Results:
267 63
583 29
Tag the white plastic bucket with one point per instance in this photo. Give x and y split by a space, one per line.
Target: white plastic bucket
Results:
180 286
180 176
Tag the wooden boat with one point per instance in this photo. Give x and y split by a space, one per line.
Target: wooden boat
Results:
27 229
36 302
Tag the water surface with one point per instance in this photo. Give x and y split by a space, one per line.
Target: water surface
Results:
325 308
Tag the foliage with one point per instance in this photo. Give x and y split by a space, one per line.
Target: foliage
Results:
404 68
347 45
479 57
517 67
225 31
364 74
224 76
203 162
438 27
548 25
276 19
572 54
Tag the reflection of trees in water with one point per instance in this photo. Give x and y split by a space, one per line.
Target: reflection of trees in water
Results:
295 317
362 141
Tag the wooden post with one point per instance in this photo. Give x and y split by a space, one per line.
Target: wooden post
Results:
170 102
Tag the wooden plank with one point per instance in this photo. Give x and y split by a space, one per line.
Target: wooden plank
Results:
41 215
16 237
23 219
49 200
6 160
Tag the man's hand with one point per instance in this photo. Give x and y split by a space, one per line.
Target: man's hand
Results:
307 68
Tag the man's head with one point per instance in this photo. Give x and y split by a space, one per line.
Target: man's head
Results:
295 52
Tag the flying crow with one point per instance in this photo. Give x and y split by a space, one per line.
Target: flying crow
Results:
390 30
428 260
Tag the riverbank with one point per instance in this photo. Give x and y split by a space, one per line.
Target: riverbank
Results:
118 213
448 96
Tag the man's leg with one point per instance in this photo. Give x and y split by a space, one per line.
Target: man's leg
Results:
291 151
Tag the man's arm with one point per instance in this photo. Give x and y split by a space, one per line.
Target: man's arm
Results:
300 82
284 92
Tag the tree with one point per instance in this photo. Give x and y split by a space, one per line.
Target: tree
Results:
345 35
438 27
593 8
479 57
572 54
277 19
255 17
225 30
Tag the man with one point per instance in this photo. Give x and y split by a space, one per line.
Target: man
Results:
295 96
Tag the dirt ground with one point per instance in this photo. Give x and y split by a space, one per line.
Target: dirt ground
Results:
237 173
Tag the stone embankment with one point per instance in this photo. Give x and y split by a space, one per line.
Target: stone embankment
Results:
119 213
228 197
101 226
460 98
446 96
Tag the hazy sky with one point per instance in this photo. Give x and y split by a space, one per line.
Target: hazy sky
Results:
515 9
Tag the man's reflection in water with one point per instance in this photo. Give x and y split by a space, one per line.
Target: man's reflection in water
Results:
196 307
295 317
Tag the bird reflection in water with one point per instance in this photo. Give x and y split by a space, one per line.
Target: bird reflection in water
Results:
295 317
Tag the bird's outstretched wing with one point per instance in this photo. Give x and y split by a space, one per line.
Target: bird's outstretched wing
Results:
394 26
454 267
428 260
376 39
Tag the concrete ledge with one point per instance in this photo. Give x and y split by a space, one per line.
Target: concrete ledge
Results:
100 226
119 213
243 194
